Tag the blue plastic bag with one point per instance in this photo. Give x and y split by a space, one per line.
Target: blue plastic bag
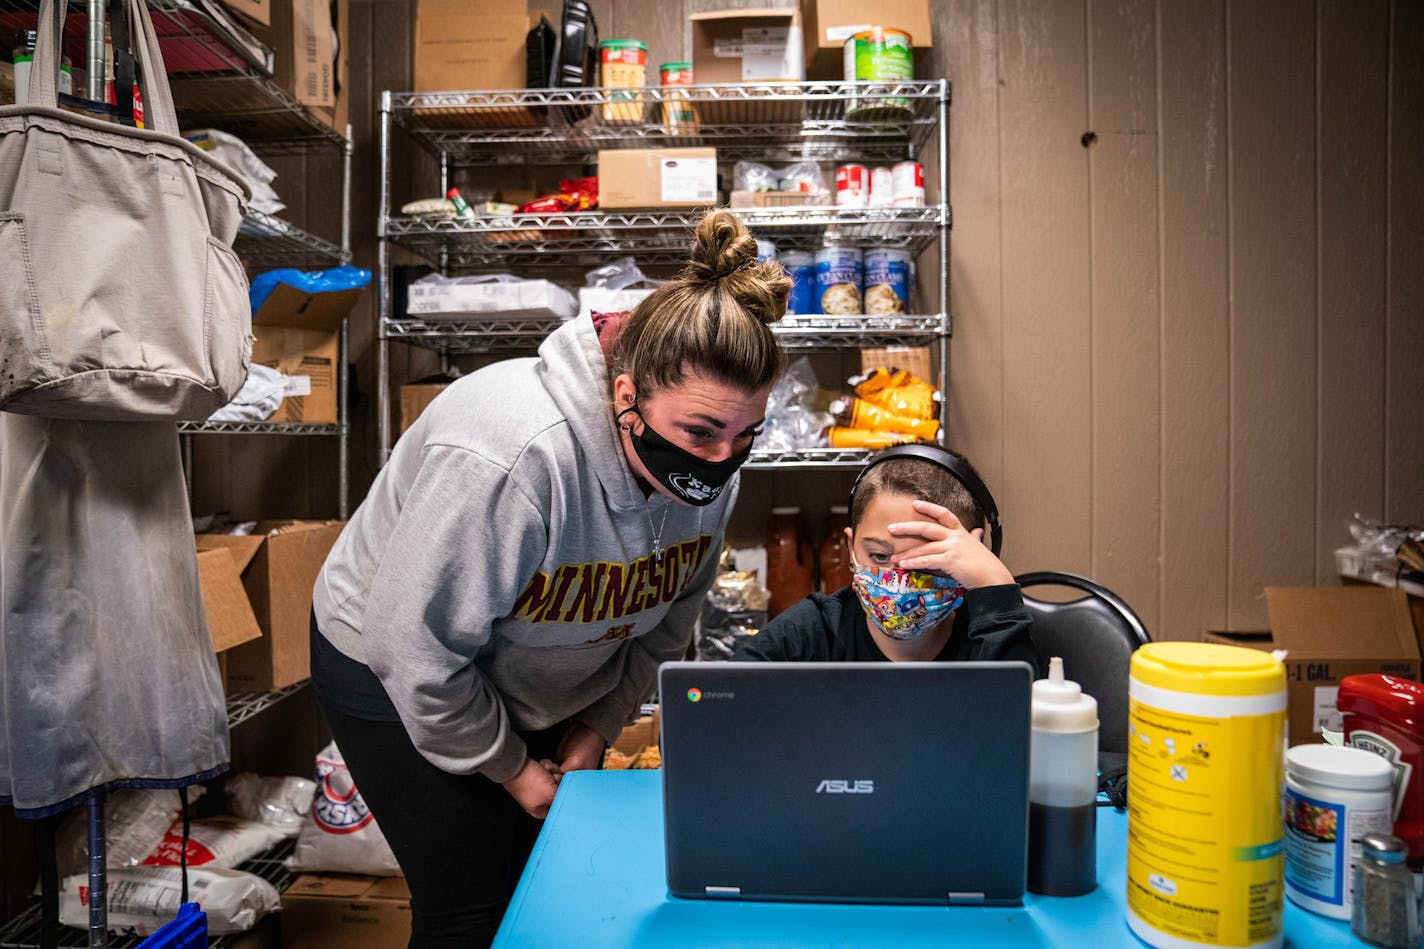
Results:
308 281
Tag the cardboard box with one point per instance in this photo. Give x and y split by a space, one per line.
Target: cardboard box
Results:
641 734
339 115
914 359
1330 633
257 11
748 46
304 43
829 23
470 44
298 334
414 398
278 581
342 911
231 621
776 199
657 178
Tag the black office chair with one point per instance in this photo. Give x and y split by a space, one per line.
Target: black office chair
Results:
1095 635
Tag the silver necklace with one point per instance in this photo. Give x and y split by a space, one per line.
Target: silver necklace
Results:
657 534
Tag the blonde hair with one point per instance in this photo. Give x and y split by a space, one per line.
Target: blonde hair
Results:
714 319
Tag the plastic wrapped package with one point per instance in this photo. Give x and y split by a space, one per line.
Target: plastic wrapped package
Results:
142 899
233 151
213 842
135 823
733 610
792 420
615 287
503 296
279 802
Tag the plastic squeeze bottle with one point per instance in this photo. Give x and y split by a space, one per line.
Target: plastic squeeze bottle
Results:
1062 787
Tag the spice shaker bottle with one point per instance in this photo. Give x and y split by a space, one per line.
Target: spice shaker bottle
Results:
1386 910
1062 787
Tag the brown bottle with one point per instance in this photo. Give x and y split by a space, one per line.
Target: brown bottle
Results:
834 557
790 564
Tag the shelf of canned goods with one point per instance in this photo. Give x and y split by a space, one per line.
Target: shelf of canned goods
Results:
845 127
828 121
494 335
589 237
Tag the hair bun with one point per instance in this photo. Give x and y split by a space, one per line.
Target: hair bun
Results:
721 246
725 253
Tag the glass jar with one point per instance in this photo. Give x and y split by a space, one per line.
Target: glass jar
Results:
833 559
790 563
1386 910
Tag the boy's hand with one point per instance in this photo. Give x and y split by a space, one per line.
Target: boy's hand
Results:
948 549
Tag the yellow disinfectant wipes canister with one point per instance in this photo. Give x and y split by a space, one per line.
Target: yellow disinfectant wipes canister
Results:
1205 765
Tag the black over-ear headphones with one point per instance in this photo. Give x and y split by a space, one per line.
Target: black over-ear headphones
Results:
936 455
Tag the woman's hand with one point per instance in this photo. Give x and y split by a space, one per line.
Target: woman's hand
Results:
948 549
533 787
581 749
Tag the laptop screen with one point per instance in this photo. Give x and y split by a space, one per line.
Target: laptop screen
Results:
846 782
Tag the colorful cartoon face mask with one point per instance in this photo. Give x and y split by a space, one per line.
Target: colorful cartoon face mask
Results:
691 479
905 604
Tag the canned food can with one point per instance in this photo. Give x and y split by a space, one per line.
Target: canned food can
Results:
852 186
887 281
624 66
838 280
801 268
908 185
679 114
766 250
878 55
882 187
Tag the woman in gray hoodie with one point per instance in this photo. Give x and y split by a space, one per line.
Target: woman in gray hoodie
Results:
540 541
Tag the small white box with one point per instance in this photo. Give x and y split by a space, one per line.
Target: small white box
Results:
495 295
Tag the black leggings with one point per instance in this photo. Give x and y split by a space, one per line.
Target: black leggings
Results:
461 840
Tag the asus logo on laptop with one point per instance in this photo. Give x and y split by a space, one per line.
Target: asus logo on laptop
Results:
838 786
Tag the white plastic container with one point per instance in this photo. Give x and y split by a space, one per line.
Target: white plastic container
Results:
1333 797
1062 787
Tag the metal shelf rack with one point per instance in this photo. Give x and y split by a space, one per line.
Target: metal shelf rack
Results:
264 241
828 121
493 335
825 121
23 930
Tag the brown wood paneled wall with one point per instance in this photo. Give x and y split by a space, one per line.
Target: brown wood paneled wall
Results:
1186 286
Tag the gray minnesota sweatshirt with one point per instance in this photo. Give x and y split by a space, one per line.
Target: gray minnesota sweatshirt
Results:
499 576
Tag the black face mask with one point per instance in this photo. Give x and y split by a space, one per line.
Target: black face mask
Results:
691 479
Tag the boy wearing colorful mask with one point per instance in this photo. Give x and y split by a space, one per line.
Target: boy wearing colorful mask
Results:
925 587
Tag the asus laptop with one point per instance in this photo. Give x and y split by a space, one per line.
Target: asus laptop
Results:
873 782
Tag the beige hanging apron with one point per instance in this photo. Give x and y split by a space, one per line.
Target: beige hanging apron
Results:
107 674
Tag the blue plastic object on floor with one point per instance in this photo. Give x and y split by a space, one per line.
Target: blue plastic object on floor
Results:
188 930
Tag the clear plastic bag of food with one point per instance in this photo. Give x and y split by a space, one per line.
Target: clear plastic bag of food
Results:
733 610
792 420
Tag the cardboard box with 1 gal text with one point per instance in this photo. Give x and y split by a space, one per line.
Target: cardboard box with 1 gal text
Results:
1330 633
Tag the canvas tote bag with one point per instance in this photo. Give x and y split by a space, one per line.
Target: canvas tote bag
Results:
120 296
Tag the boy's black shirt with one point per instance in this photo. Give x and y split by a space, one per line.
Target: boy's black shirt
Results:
992 623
